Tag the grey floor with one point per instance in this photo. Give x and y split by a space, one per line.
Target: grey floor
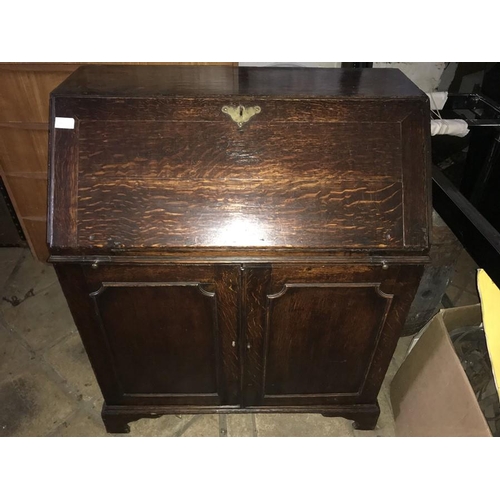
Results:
47 387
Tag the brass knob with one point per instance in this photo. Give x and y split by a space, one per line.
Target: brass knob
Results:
233 343
385 266
95 264
248 346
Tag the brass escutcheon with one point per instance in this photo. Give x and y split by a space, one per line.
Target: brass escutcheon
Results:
240 114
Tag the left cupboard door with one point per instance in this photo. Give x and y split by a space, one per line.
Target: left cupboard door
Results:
159 334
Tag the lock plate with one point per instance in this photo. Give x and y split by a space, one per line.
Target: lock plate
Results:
240 114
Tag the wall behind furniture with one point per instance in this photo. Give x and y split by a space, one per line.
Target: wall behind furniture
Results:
425 75
303 64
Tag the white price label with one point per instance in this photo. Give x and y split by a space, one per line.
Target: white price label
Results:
67 123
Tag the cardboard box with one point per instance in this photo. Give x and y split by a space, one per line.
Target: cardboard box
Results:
431 394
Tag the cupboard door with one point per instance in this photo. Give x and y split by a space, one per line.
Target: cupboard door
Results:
322 335
162 334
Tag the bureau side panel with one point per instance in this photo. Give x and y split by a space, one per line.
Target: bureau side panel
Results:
417 177
74 286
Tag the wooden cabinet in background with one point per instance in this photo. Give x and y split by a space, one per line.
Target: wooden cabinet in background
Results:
239 239
24 115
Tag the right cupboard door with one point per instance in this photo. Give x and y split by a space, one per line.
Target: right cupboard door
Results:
321 335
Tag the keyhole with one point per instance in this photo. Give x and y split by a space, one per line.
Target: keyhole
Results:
241 110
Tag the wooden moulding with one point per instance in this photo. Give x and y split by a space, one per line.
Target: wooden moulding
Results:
117 418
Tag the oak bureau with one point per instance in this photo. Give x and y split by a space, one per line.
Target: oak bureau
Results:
238 239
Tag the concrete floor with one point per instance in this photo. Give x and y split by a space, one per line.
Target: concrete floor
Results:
47 387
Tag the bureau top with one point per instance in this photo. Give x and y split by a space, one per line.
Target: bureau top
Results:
189 159
204 81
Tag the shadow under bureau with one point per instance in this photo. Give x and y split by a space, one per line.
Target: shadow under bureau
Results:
238 239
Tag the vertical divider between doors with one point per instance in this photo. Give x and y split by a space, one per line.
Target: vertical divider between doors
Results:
242 302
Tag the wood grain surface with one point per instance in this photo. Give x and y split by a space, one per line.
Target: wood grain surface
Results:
219 151
250 81
323 213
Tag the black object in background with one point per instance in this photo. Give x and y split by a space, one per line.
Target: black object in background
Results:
11 234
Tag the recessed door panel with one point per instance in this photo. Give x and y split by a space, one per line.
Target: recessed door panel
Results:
319 337
169 333
163 336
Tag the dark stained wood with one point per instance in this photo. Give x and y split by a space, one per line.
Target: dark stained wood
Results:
314 344
364 417
74 286
274 110
217 268
253 322
175 332
117 423
116 81
241 256
142 213
172 173
192 169
417 190
307 345
165 333
62 202
166 150
403 286
117 418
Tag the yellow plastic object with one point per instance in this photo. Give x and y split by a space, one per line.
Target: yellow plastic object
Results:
490 307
